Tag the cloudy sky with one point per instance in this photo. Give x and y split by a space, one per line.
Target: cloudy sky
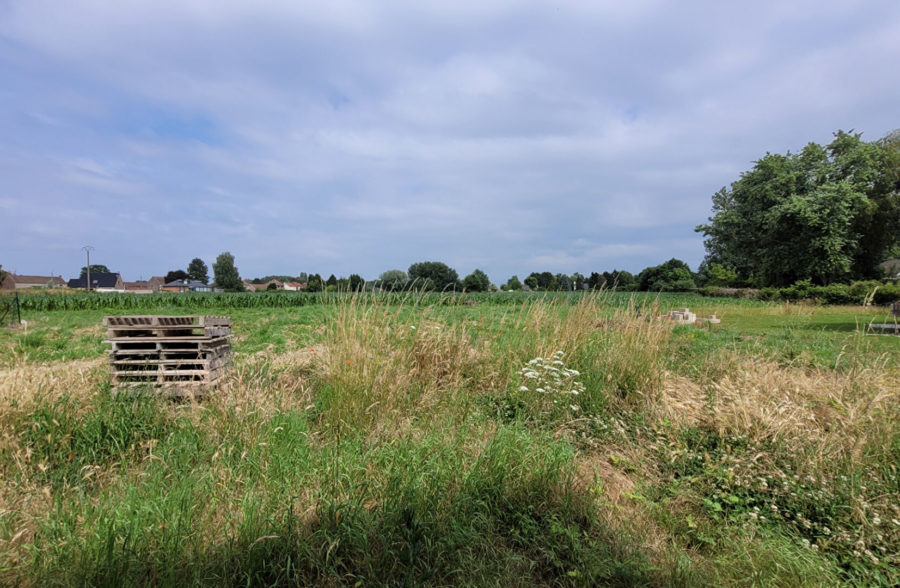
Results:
356 137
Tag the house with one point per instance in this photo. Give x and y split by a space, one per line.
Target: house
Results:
251 287
100 282
150 286
16 282
156 283
139 287
186 285
295 286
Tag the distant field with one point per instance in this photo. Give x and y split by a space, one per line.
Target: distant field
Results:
456 440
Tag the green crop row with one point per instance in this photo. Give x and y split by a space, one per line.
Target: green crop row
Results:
46 301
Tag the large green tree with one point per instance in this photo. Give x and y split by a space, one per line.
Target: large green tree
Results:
197 270
621 280
315 283
226 274
671 276
824 214
542 281
433 275
512 284
356 283
477 281
393 280
95 269
173 275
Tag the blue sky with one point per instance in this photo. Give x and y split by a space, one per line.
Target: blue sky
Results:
356 137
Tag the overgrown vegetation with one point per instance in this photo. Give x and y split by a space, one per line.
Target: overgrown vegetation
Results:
410 439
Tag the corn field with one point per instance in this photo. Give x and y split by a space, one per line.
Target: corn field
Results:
51 301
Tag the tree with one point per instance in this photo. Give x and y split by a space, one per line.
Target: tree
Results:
513 284
314 283
578 280
197 270
331 281
672 276
95 269
563 282
393 280
532 282
824 214
433 275
544 281
226 274
621 280
547 281
716 274
173 275
477 281
357 283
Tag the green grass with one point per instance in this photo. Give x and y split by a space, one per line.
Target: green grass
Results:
389 441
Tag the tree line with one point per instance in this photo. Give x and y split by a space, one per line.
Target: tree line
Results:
829 214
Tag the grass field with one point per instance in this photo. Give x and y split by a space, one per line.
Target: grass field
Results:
568 440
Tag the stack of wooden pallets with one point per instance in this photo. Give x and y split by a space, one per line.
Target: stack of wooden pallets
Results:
176 353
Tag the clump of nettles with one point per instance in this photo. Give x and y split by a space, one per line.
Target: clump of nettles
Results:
552 381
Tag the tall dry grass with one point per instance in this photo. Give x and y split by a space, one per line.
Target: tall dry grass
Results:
383 366
839 415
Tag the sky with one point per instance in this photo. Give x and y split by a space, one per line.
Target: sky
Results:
357 136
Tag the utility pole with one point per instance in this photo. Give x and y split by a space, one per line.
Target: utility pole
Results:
87 249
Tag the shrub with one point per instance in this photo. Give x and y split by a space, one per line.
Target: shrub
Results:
834 294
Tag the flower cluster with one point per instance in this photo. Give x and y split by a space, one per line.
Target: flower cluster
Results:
551 377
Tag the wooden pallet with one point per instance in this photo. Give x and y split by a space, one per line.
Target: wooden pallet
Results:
166 352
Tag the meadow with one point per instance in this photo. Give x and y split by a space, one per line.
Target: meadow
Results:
503 439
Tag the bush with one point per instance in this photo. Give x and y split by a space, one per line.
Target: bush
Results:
859 290
887 294
796 291
834 294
